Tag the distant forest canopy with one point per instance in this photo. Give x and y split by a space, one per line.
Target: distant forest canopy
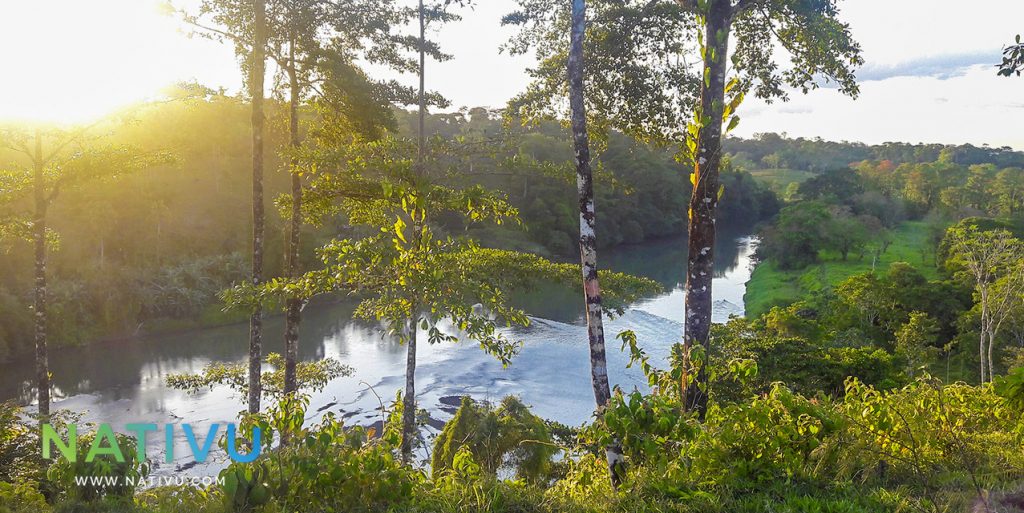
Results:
152 250
770 151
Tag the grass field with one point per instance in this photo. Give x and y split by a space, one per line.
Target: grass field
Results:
770 286
779 179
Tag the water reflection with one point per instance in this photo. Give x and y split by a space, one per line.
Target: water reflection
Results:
123 382
662 261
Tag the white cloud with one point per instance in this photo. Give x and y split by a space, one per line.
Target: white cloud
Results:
976 107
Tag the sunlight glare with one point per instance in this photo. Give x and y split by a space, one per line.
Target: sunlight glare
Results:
70 61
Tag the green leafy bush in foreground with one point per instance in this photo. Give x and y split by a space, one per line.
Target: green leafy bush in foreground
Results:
925 447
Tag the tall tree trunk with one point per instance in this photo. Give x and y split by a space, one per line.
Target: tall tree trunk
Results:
422 96
409 399
257 67
991 366
984 333
588 238
293 312
39 304
704 201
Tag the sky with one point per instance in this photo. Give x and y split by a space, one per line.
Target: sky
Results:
928 77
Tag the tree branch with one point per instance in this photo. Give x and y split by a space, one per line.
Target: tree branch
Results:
236 39
688 5
742 5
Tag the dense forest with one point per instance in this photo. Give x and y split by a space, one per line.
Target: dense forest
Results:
879 366
774 151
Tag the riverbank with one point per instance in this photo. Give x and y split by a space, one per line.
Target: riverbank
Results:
770 286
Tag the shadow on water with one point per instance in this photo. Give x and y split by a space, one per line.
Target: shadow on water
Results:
120 370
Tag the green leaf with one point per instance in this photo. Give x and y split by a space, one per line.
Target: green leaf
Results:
400 229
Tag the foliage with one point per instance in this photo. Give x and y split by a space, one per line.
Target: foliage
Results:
922 447
637 80
183 290
1013 59
940 445
20 459
912 242
22 497
806 363
1011 388
915 341
801 231
114 477
324 468
508 435
171 499
309 375
879 304
403 271
947 442
809 157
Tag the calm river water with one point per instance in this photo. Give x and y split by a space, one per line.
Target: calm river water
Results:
123 382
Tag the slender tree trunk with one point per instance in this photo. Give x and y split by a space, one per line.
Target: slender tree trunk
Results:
257 66
991 367
704 201
409 398
293 312
39 305
422 96
984 333
588 239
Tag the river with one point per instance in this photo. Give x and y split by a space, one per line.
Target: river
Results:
123 382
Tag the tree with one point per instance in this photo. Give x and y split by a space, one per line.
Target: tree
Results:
1013 59
1009 191
312 376
820 47
799 233
992 260
326 66
637 78
53 161
244 24
838 186
915 341
588 235
846 233
316 45
257 74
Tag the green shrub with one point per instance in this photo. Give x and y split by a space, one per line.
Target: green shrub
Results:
20 460
507 435
104 476
23 497
180 499
324 468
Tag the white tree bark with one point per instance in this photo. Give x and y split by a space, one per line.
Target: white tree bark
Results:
588 238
